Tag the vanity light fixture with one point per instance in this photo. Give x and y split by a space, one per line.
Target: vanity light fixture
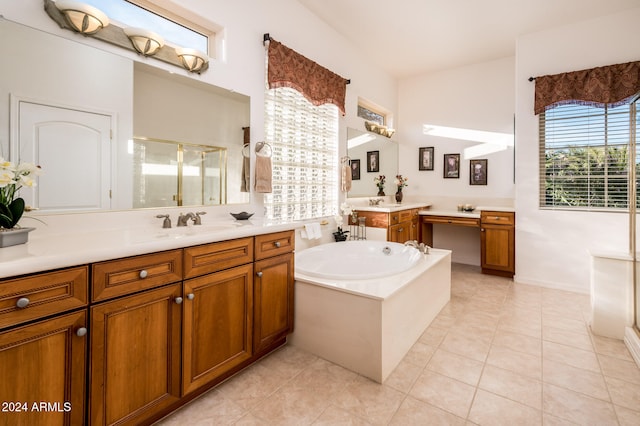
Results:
82 17
192 59
144 41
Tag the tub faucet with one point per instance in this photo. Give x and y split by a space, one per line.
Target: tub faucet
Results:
422 247
183 218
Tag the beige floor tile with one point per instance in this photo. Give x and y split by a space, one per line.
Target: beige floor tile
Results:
413 412
291 406
490 409
403 376
576 379
443 321
324 376
468 345
619 369
549 420
518 342
371 401
443 392
251 386
624 393
569 355
576 407
246 420
456 366
576 326
205 409
511 385
336 416
419 354
627 417
517 362
433 335
611 347
565 337
520 323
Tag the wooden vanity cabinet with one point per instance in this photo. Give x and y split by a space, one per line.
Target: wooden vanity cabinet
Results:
402 226
217 317
497 239
273 289
43 343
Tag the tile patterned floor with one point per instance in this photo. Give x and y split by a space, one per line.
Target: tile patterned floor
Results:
498 354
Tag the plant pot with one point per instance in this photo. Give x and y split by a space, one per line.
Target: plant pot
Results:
381 193
14 237
399 196
339 237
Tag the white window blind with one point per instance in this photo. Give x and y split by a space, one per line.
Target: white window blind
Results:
584 157
304 138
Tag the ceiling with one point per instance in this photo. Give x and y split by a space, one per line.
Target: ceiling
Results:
410 37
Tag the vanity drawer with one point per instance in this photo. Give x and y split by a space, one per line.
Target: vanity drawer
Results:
42 295
125 276
498 218
404 215
208 258
269 245
452 220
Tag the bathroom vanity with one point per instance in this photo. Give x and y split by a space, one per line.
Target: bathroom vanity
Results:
128 340
400 221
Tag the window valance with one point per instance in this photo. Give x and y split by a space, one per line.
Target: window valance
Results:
287 68
611 85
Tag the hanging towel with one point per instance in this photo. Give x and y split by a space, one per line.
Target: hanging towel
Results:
263 174
346 177
246 174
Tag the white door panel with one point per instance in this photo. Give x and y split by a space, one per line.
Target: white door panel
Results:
73 149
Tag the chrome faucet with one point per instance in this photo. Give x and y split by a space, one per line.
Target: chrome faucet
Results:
375 201
198 219
166 223
422 247
183 218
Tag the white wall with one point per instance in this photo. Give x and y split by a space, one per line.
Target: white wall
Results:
475 97
552 247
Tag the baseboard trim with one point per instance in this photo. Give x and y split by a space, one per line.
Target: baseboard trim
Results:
632 340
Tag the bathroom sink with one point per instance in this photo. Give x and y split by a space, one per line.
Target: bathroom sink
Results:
192 230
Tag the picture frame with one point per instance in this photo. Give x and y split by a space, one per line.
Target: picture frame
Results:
425 158
355 169
373 161
478 172
451 166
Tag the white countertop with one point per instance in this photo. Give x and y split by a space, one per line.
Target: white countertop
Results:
51 251
390 208
455 213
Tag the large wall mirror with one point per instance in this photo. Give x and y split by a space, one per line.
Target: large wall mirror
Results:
86 115
371 152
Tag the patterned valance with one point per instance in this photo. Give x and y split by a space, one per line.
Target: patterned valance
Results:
610 85
287 68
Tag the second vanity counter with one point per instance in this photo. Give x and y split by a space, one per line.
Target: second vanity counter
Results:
51 251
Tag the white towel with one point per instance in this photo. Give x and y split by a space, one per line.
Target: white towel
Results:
317 231
312 231
346 178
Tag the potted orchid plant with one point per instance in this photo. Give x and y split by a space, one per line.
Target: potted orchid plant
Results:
12 178
341 235
400 182
380 181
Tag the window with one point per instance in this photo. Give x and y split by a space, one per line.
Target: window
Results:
304 139
176 30
584 156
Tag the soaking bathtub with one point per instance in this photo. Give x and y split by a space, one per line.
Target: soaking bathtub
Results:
363 304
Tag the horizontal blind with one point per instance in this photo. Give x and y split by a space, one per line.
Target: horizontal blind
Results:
584 157
304 138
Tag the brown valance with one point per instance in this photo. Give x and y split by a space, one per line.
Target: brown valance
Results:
610 85
287 68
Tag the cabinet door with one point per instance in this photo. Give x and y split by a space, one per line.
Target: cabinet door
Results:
135 356
497 249
414 234
217 325
273 300
400 233
43 366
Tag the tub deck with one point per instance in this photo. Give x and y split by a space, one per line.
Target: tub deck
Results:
368 326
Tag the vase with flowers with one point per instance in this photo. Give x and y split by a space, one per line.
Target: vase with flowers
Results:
12 178
340 234
379 181
400 182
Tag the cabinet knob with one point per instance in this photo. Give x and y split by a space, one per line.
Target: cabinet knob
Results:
143 273
22 302
277 244
481 229
178 300
191 296
400 229
497 218
82 331
259 274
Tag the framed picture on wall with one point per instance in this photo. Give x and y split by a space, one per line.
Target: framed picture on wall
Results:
425 158
451 166
355 169
373 161
478 172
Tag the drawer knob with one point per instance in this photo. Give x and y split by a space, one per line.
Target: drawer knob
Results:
82 331
22 302
191 296
143 274
497 218
259 274
277 244
400 229
178 300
